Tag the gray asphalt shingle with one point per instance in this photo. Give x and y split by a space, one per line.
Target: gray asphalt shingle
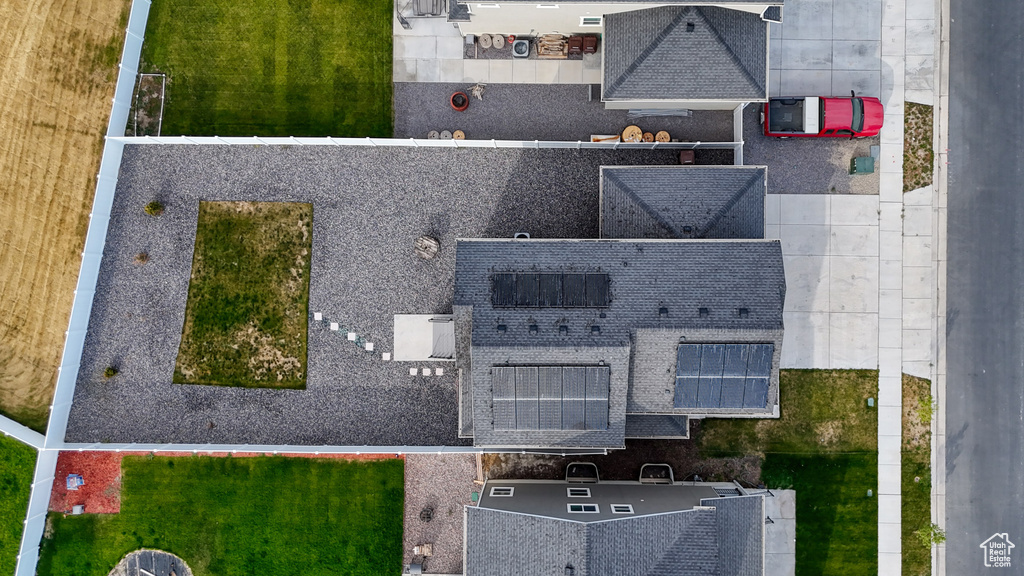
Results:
680 53
679 276
724 539
682 202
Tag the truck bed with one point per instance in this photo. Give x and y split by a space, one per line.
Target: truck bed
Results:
786 115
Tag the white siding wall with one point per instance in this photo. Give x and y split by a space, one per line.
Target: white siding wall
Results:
528 19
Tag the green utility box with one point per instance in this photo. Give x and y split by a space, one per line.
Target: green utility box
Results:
862 165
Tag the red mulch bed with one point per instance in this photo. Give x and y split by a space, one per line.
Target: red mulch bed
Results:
101 471
101 493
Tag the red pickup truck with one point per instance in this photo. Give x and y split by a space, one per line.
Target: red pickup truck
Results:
819 117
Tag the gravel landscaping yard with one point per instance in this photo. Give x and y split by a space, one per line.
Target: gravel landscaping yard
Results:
806 165
369 205
444 484
538 112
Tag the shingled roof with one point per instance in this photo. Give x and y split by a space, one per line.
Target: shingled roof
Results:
683 202
673 288
679 53
723 538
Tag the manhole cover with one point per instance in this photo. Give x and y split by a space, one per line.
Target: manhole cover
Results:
427 514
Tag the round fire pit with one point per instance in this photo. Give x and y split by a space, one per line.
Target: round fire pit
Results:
427 514
459 101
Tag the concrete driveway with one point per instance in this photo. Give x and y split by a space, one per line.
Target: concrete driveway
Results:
830 250
827 48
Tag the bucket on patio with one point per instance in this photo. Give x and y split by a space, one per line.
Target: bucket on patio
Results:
459 101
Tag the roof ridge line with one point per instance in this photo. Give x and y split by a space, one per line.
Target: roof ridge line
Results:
725 208
639 201
650 49
732 53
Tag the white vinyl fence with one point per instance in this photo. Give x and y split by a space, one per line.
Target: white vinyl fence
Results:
67 373
18 432
422 143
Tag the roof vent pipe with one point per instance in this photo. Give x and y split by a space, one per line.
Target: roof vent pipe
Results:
689 26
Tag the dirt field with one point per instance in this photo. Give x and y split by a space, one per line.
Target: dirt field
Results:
58 65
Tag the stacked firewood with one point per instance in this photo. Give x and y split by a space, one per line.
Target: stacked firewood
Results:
552 46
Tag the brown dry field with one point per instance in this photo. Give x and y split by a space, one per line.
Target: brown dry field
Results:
58 66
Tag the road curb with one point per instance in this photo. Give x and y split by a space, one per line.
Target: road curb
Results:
940 144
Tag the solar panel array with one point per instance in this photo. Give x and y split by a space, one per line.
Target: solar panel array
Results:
723 375
533 290
550 397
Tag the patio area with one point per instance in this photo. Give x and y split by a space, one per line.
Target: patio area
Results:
432 50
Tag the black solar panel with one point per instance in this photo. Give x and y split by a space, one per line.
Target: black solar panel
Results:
503 290
598 380
723 375
712 359
709 392
504 395
759 365
597 290
688 360
550 397
550 293
574 288
574 394
527 398
550 379
732 392
527 290
735 360
755 394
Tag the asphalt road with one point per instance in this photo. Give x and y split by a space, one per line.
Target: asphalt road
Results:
985 281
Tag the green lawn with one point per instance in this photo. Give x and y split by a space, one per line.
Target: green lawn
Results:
17 463
836 521
243 516
273 67
248 297
821 411
824 445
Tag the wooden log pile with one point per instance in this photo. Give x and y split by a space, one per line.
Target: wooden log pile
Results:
552 46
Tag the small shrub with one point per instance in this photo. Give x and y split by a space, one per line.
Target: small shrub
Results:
154 208
926 410
931 535
110 372
141 258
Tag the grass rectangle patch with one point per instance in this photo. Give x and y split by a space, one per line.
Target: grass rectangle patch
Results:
17 464
235 516
821 411
248 297
273 67
916 482
836 521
